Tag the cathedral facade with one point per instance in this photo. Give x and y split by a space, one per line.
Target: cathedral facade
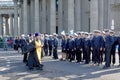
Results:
49 16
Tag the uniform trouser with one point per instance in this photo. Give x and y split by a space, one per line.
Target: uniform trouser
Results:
101 56
87 54
67 54
55 55
71 55
78 55
107 56
92 58
50 50
96 54
25 57
112 55
46 51
83 53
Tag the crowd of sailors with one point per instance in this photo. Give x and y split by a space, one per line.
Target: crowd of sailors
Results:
81 47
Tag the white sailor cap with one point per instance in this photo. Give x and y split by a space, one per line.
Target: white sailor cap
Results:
106 30
75 34
97 31
54 34
111 31
86 33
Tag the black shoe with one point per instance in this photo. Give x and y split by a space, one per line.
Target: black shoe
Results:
78 62
41 65
30 68
70 61
39 68
105 67
61 59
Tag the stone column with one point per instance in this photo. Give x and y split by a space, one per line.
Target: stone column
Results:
110 14
69 15
36 8
94 15
52 16
29 19
60 16
77 15
85 11
47 16
43 16
101 15
1 24
6 26
40 16
16 18
21 17
32 10
25 17
11 25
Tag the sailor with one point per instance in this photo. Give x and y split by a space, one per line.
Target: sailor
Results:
87 47
50 43
113 49
71 48
78 47
108 46
55 46
97 43
46 45
63 46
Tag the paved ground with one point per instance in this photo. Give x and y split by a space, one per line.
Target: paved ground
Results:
12 68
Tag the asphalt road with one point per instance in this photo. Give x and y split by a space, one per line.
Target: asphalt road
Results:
12 68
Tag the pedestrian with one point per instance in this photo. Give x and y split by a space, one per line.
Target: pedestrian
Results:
19 44
35 59
5 40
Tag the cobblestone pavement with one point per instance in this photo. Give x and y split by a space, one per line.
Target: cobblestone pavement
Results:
12 68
